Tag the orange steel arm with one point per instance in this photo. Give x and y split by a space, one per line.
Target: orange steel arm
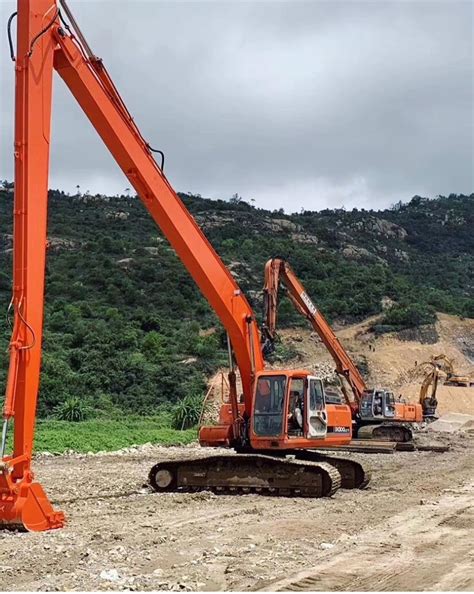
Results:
21 500
90 84
276 271
43 43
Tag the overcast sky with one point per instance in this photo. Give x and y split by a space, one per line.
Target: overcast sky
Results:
293 104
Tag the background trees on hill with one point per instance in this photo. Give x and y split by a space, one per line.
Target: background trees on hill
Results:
127 331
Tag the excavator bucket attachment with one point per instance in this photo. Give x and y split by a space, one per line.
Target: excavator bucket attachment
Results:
37 513
27 506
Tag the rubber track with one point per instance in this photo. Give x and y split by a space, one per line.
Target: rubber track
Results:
331 477
353 474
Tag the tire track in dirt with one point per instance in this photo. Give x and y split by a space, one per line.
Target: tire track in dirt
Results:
200 541
427 547
205 517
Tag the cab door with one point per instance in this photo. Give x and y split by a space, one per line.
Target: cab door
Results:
316 415
389 405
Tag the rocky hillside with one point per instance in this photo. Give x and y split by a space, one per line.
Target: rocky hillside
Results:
393 360
126 329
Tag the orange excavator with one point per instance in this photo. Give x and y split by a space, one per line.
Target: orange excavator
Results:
375 412
279 412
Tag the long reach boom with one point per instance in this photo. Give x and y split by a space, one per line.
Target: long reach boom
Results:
266 421
279 271
45 43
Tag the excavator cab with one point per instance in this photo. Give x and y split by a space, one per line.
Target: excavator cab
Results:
381 417
377 404
289 406
290 411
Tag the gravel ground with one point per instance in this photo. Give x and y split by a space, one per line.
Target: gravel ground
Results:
410 530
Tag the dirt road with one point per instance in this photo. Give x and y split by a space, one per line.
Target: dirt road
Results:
411 530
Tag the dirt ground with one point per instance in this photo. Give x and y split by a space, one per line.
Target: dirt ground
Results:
410 530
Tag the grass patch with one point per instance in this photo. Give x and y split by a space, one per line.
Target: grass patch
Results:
107 435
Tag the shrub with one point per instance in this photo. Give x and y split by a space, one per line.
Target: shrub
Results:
187 412
73 409
409 316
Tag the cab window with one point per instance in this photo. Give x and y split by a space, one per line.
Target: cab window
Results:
316 395
390 404
269 400
295 414
296 393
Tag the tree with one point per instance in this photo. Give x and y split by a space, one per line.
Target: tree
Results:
409 316
235 199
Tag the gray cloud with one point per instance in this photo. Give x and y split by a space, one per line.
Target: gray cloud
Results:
294 104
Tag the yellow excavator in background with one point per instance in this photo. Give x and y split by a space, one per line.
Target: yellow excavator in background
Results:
429 402
452 378
438 369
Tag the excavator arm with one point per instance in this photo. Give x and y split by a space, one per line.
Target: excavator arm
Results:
279 271
46 41
452 377
432 378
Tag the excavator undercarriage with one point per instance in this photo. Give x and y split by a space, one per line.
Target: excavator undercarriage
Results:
398 433
301 474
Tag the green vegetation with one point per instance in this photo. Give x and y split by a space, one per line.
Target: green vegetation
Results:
127 331
107 435
283 352
187 412
73 410
408 316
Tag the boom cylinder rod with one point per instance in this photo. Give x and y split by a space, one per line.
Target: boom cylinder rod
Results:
4 438
87 48
229 353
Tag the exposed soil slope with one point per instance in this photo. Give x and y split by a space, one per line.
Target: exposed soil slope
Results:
391 360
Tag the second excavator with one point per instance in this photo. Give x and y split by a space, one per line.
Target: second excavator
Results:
451 377
259 426
375 412
427 397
